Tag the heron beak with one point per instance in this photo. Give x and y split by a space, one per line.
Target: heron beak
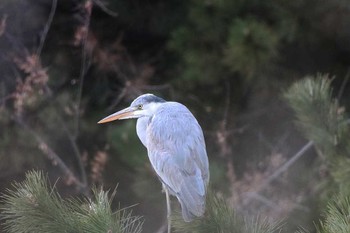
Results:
120 115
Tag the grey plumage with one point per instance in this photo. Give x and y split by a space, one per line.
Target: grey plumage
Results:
175 146
178 156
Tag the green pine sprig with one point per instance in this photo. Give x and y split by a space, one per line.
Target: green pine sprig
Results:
34 206
336 217
221 218
325 123
319 115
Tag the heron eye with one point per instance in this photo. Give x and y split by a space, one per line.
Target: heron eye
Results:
139 107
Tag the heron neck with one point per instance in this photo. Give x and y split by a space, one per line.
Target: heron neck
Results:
141 127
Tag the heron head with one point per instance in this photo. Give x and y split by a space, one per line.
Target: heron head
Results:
144 105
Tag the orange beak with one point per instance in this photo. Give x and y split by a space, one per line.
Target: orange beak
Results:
122 114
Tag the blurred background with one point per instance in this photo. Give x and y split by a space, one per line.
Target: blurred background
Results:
65 64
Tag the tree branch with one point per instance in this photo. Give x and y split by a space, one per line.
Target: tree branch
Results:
51 155
47 27
279 171
88 8
76 152
105 9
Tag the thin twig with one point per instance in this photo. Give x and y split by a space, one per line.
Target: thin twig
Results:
3 24
277 173
227 104
88 8
51 155
263 200
344 83
285 166
118 99
47 27
76 151
105 9
223 137
271 146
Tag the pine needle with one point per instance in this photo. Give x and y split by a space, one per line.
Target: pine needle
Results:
34 206
337 216
221 218
319 115
325 123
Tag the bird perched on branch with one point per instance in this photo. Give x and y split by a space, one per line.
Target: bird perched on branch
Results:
176 150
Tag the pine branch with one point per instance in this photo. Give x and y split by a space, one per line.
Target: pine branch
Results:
319 116
80 182
52 155
337 216
325 123
220 217
34 206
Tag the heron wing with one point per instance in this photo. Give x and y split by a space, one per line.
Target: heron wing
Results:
176 149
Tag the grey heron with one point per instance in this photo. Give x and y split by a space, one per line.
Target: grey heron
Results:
176 149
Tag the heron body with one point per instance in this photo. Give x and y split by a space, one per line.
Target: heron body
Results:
175 146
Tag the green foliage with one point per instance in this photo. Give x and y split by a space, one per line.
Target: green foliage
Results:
220 218
319 115
225 39
227 52
97 216
323 121
34 206
337 216
251 45
340 172
196 57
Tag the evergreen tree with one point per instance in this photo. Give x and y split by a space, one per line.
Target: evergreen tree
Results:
324 122
337 216
34 206
220 218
